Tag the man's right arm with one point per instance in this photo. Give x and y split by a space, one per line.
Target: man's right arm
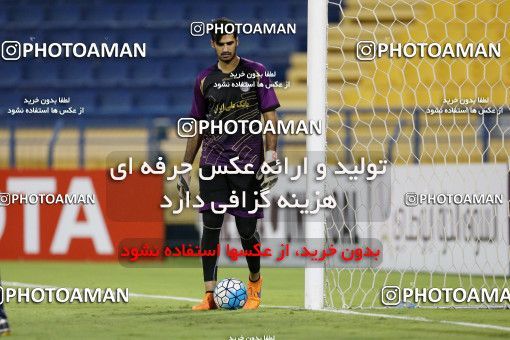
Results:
197 111
184 180
192 147
193 144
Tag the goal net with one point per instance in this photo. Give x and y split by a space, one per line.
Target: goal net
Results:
424 85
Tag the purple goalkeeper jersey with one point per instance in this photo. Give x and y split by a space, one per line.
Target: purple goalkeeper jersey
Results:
233 96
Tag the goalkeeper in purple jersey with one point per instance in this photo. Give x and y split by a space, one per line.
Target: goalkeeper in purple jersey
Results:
215 102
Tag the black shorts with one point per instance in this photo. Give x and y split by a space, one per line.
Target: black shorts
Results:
219 190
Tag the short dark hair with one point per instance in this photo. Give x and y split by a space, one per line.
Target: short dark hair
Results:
221 22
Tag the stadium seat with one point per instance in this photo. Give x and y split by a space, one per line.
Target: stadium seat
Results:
117 101
27 15
245 12
249 44
181 71
11 74
100 14
42 72
136 36
9 99
280 44
112 73
21 35
63 14
202 45
134 13
84 98
78 72
99 36
180 101
152 102
172 41
278 11
61 36
3 17
204 11
301 11
146 71
66 154
169 12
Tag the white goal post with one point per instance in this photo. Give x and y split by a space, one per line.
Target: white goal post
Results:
443 126
316 144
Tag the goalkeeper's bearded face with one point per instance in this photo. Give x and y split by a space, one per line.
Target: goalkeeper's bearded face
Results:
226 47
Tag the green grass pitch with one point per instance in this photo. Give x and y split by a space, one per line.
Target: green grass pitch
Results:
156 318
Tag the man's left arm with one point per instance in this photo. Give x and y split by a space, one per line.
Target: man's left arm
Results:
268 103
270 156
271 138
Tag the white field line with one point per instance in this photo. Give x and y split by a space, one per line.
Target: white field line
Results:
338 311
